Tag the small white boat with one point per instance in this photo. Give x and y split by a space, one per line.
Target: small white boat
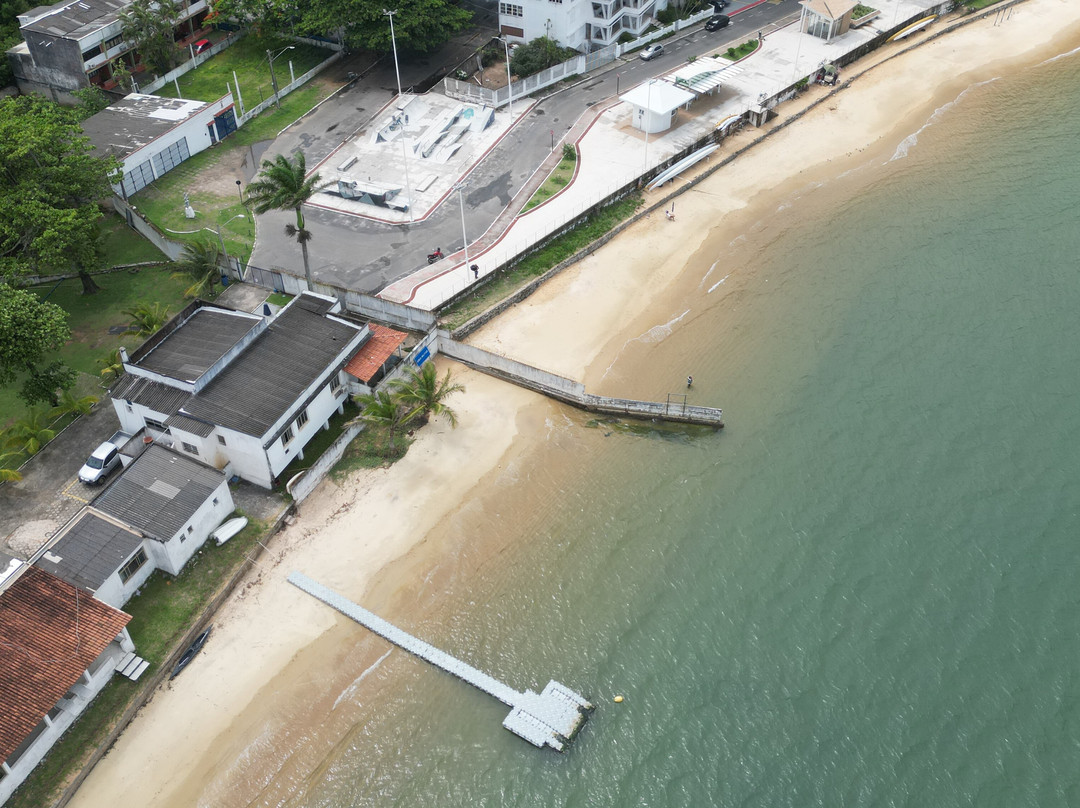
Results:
226 530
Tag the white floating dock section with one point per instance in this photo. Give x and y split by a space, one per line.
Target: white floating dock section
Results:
550 718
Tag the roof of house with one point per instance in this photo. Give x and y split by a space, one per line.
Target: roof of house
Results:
153 395
50 633
89 551
129 124
160 492
190 425
657 96
263 382
830 9
74 19
374 353
203 339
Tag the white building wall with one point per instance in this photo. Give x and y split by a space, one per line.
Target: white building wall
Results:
116 592
88 686
319 411
247 458
178 550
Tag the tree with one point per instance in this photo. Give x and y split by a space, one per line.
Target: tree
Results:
8 472
29 433
148 26
111 366
382 409
146 318
69 404
122 75
199 261
420 26
538 54
282 186
424 395
50 183
30 333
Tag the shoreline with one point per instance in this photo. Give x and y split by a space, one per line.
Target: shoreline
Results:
271 639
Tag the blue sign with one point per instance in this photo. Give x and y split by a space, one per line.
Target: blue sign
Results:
422 356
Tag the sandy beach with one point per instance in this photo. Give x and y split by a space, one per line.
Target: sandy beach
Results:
275 663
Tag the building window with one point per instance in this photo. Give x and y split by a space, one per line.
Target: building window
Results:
129 407
286 436
138 178
190 449
221 439
215 500
335 383
301 419
155 424
112 43
190 528
511 10
91 54
171 157
133 565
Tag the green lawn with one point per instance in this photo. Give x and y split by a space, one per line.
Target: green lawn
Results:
163 201
123 245
734 54
247 57
556 181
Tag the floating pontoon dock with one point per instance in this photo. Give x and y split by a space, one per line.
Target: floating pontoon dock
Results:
550 718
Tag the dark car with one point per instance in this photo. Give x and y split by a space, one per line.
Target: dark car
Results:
717 22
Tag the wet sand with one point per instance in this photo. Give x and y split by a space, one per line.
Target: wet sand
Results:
234 728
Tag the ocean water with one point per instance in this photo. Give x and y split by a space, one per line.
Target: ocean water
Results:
863 592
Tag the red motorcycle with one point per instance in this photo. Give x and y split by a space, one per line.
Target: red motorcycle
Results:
435 256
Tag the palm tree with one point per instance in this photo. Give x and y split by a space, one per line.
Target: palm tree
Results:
70 405
146 318
382 409
112 367
7 473
282 186
29 433
199 261
425 395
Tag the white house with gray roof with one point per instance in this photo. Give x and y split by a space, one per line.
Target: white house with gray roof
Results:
237 391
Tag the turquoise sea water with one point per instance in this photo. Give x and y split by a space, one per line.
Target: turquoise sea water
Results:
864 592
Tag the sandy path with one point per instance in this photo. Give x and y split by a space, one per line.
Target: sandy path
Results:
173 751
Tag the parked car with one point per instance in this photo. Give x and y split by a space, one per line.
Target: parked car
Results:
100 464
717 22
652 51
202 45
720 5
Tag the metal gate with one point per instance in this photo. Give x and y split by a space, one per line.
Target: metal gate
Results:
266 278
225 122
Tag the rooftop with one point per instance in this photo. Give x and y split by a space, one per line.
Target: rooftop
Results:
50 633
830 9
373 354
259 386
74 19
657 96
89 551
193 348
160 492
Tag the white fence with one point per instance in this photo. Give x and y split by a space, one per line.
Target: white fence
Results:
321 467
189 65
578 65
246 116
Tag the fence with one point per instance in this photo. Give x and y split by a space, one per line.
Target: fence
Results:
284 91
582 63
189 65
321 467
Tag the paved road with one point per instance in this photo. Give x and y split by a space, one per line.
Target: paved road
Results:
365 255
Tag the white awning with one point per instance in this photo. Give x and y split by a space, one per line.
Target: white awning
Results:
704 74
657 97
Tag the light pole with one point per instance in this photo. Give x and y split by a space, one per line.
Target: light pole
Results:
509 89
401 119
240 190
273 79
464 238
393 44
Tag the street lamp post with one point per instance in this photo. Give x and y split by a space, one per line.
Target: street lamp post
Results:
393 44
509 89
221 239
464 238
401 119
240 190
273 79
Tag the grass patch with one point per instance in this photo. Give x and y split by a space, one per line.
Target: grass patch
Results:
556 181
532 266
745 49
247 57
978 5
371 450
861 11
160 615
320 443
122 245
163 200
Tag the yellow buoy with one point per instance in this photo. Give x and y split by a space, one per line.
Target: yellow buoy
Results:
618 699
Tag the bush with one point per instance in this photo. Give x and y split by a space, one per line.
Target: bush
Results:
540 54
667 15
625 37
731 53
569 152
490 55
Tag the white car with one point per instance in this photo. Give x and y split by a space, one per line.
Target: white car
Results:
652 51
100 464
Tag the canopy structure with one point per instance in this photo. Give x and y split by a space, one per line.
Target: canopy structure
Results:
704 75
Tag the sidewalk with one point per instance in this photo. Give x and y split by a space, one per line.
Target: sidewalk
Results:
612 154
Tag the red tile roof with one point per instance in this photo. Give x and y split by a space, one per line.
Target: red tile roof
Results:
374 353
50 632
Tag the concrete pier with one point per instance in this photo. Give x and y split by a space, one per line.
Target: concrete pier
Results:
549 718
